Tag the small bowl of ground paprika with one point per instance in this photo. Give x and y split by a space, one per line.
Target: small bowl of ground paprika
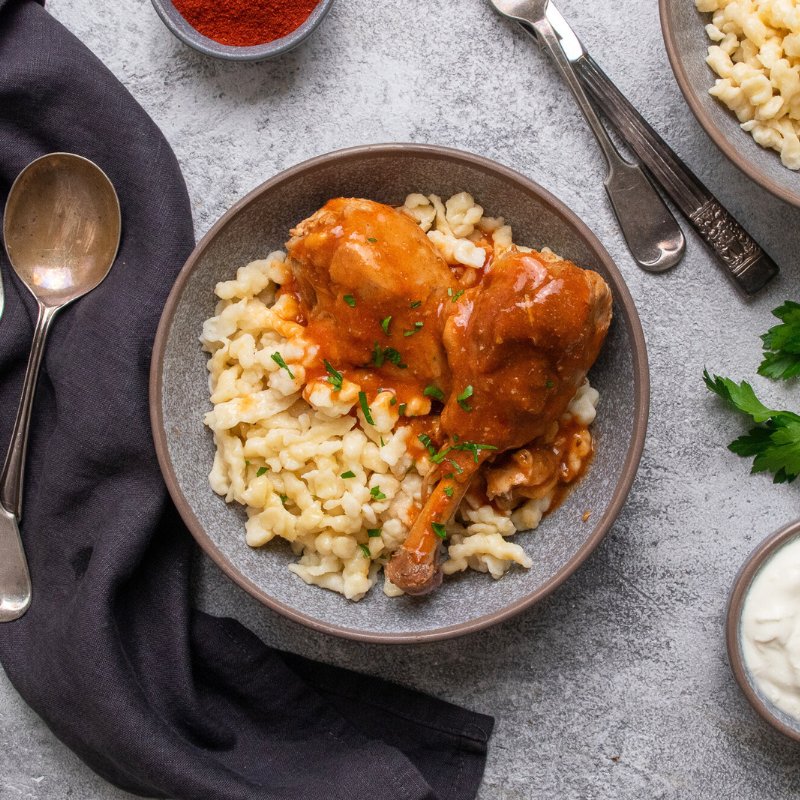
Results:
242 30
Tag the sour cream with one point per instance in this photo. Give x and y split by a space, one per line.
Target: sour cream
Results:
770 629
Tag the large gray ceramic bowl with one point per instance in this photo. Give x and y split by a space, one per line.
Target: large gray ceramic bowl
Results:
687 47
179 394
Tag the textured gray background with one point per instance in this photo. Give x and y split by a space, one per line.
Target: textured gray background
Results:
617 686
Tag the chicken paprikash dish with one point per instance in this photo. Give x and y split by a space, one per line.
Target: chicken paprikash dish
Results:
401 390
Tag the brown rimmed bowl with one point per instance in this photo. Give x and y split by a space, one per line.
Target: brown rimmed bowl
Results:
687 46
258 224
733 630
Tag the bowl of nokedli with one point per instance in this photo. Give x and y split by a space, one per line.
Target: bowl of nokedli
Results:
399 393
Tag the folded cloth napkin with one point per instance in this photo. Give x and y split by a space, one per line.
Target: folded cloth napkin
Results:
160 699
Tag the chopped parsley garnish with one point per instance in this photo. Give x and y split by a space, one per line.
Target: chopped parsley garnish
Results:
381 354
365 551
439 529
782 344
448 490
456 466
362 401
374 532
246 462
376 493
463 397
428 444
348 474
401 409
371 239
278 359
416 304
774 442
437 458
261 471
454 295
383 444
350 300
417 326
549 384
385 323
393 401
473 447
284 498
334 376
433 391
450 476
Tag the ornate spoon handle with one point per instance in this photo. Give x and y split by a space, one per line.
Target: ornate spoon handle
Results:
747 264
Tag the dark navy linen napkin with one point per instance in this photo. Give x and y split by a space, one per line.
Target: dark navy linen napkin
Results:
158 698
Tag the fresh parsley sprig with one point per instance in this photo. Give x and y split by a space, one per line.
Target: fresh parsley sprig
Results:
782 344
774 442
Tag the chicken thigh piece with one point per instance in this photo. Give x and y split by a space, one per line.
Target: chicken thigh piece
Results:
518 347
365 275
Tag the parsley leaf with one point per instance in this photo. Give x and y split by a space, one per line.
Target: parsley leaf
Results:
350 300
334 376
284 498
261 471
416 304
371 239
464 396
348 474
433 391
774 444
473 447
362 400
437 458
426 441
376 493
454 295
385 323
278 359
374 532
448 490
381 354
401 409
365 551
439 529
782 344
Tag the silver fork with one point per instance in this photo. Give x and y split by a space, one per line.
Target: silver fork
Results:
652 233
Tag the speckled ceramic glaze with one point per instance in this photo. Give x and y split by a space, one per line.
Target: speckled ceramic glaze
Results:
179 394
741 586
687 46
172 18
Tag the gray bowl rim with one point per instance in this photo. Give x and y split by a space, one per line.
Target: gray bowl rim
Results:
741 587
256 52
641 389
707 122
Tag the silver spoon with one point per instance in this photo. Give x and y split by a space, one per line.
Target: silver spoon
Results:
61 229
653 235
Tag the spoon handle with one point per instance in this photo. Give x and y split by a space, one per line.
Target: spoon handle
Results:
14 466
653 235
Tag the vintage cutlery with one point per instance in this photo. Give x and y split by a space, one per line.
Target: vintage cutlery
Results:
61 231
653 235
741 256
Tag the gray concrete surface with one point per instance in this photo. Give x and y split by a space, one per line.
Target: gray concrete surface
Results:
617 686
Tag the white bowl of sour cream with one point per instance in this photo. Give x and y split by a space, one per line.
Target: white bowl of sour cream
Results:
763 629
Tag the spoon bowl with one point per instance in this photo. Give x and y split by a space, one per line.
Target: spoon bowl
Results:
61 230
61 227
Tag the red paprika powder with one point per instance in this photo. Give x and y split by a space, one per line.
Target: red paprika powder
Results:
243 23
